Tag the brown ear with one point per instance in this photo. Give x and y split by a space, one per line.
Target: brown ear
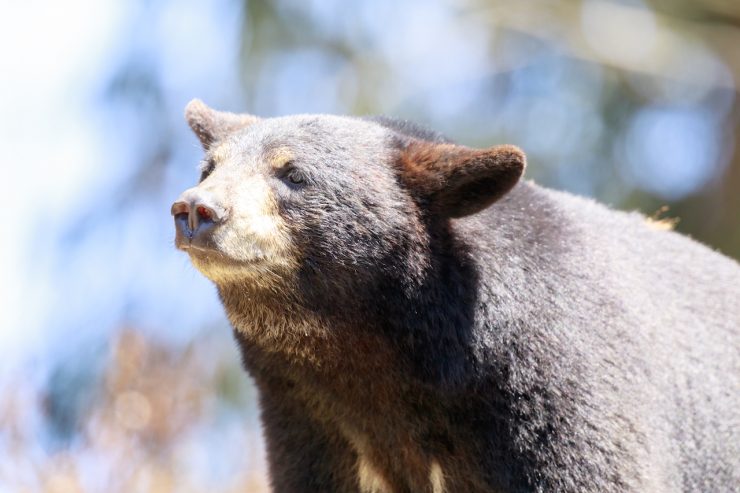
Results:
210 125
456 181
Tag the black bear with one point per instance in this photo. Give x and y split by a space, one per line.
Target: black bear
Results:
417 319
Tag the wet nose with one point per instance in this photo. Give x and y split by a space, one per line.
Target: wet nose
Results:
196 211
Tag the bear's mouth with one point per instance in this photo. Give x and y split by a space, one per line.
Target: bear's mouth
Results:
255 268
213 254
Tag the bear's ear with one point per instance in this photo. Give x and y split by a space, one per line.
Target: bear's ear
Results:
456 181
210 125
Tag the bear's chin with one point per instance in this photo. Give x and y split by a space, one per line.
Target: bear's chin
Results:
252 270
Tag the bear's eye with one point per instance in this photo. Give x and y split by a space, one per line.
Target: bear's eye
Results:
294 176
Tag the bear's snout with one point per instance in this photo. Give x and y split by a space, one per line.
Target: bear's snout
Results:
196 213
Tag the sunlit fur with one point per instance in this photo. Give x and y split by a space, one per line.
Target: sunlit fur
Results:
370 479
436 478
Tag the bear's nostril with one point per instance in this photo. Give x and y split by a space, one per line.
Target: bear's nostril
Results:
204 213
180 207
196 213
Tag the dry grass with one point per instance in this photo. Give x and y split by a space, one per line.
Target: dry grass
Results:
155 424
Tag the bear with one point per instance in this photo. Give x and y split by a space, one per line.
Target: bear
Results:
418 318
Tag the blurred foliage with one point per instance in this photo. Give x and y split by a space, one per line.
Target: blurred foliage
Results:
147 405
138 386
631 103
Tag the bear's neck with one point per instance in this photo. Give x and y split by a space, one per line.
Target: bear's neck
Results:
415 330
327 337
384 365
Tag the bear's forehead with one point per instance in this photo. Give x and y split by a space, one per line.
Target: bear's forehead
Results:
280 139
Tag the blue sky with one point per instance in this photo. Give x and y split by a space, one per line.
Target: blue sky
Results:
69 150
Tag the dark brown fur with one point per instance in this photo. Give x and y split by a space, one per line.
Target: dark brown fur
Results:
416 321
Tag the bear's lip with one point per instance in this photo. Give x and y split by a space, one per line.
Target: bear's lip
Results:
190 248
214 254
203 247
190 245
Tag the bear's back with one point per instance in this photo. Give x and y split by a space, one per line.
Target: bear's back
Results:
648 318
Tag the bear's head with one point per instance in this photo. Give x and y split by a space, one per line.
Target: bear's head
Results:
324 205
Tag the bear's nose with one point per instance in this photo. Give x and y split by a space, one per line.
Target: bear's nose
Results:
196 211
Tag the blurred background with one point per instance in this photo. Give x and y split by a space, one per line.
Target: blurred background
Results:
117 368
